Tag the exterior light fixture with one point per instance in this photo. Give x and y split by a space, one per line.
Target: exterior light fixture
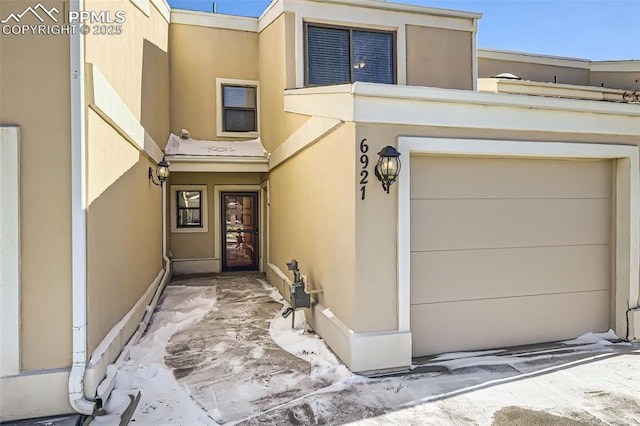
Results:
388 166
162 172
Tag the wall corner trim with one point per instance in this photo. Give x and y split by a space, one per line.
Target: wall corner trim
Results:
314 129
361 352
10 250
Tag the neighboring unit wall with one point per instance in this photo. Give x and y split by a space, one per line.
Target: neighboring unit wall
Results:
127 119
199 55
34 94
533 67
616 74
34 82
439 58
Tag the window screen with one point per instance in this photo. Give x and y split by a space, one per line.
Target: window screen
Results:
344 55
373 57
239 108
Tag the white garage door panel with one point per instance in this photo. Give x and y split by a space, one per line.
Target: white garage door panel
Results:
495 323
482 274
473 224
447 177
508 251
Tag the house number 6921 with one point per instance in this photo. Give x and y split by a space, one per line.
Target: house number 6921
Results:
364 174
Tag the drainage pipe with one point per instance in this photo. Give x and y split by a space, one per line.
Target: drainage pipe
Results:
78 223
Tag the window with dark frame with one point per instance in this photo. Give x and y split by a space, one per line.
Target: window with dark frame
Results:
239 108
189 209
336 55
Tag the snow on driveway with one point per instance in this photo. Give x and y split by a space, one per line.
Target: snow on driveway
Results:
217 351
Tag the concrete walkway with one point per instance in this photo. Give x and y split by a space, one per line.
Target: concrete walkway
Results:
225 357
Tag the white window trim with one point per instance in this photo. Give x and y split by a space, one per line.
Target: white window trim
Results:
627 199
174 209
219 125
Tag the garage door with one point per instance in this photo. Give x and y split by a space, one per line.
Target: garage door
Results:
508 251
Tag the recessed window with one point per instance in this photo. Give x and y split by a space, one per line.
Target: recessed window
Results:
188 208
338 55
237 108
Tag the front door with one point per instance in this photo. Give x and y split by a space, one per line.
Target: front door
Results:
239 231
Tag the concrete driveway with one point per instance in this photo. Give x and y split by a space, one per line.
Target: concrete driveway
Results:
213 354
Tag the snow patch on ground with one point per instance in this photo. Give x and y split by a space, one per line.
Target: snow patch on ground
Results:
232 374
163 400
599 338
302 342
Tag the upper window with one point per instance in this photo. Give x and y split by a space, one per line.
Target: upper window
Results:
237 107
343 55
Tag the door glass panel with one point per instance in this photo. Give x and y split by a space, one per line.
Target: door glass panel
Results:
240 231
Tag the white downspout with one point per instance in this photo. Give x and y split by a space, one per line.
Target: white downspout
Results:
78 223
167 262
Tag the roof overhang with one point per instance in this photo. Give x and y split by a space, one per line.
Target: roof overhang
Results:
428 106
193 155
187 163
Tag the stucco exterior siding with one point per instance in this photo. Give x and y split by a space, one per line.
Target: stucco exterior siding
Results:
124 219
124 228
136 63
447 63
275 67
199 55
34 82
312 219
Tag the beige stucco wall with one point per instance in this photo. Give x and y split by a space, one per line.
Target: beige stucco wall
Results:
376 217
276 69
312 219
199 55
535 72
136 63
201 245
124 228
439 58
34 94
124 211
616 80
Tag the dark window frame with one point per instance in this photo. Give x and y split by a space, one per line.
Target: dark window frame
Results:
229 108
178 209
394 46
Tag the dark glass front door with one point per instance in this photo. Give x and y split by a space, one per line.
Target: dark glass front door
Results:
239 231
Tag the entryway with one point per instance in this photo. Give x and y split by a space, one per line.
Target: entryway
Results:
239 231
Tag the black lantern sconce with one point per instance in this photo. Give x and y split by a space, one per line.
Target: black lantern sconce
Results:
388 166
162 172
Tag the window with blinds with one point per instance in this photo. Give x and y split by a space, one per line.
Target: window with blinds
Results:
239 108
338 55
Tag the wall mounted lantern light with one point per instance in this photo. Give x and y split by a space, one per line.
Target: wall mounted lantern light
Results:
388 167
162 172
